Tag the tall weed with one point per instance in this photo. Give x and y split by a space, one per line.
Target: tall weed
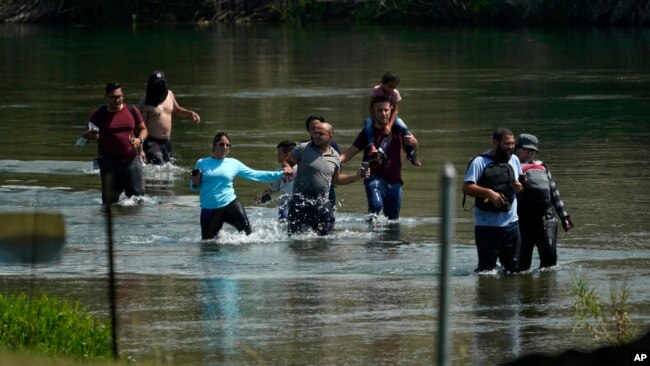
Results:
611 323
44 325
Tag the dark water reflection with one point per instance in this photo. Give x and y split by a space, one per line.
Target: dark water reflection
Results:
366 294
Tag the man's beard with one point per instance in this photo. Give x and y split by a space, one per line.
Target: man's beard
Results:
503 155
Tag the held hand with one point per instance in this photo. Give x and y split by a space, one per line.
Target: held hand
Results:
288 171
364 173
567 224
263 197
92 135
136 142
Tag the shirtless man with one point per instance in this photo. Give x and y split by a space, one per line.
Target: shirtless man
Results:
157 108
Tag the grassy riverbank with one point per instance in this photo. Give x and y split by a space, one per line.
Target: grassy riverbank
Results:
46 326
493 12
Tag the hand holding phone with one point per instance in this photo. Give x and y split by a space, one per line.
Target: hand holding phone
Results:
195 177
365 166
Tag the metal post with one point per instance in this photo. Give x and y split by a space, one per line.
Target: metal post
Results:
447 200
111 268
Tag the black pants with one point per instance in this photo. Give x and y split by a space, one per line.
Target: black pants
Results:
233 213
157 151
315 213
120 177
541 233
494 242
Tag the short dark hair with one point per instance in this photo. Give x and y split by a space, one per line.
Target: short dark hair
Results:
313 117
286 145
389 76
379 99
218 137
112 85
500 132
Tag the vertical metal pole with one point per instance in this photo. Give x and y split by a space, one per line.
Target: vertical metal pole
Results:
111 270
448 212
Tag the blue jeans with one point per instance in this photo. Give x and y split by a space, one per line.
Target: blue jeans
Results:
494 242
383 195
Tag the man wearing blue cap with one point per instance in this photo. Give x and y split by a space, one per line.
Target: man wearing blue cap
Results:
538 204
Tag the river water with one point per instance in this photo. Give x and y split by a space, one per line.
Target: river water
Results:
368 293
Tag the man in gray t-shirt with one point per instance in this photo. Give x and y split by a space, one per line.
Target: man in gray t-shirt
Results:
318 167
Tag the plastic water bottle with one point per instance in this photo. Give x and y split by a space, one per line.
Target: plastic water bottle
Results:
81 142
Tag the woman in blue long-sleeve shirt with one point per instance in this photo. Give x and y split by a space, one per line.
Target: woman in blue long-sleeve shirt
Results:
213 176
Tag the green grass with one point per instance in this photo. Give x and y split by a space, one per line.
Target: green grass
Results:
605 322
47 326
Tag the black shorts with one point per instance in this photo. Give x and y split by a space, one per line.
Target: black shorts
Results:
157 151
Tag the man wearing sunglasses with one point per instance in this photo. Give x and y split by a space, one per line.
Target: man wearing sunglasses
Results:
119 131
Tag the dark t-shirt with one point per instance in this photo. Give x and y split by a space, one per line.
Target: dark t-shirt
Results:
391 169
115 131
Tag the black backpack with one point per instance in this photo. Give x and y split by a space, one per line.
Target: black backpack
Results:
499 177
536 197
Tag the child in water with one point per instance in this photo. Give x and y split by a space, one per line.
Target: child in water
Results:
284 184
387 88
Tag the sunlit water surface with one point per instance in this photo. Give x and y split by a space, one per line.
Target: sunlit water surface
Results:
367 293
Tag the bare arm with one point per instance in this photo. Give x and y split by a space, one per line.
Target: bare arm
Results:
142 133
343 179
410 140
349 154
185 113
474 190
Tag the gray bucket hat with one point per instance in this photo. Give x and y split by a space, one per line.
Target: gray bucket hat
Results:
527 141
